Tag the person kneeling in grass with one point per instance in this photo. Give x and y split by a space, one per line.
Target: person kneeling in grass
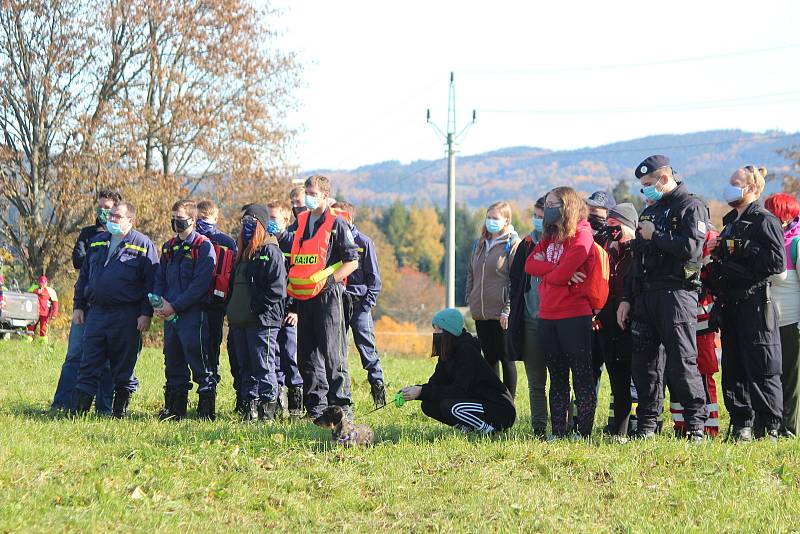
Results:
463 392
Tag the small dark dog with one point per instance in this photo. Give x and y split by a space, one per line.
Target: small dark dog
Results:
345 433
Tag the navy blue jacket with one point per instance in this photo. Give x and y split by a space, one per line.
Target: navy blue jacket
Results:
85 238
182 281
365 282
126 279
220 238
266 276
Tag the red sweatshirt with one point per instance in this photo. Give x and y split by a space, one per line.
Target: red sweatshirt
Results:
558 297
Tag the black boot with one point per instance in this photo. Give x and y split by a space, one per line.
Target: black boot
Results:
296 401
175 402
119 407
241 404
267 410
378 393
206 405
740 433
166 411
82 402
250 410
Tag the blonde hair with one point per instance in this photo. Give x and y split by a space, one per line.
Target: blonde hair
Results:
505 210
573 212
757 176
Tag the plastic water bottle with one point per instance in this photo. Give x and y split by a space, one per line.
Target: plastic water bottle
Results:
157 302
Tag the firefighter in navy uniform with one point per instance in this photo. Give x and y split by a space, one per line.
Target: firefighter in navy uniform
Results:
660 298
323 254
750 250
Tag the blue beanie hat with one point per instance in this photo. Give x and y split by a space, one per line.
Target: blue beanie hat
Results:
450 320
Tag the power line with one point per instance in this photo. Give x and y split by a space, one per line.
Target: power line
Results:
685 106
639 64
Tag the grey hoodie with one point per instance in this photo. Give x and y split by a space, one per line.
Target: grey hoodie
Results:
488 282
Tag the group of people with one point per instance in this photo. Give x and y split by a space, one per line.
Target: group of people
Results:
596 285
290 291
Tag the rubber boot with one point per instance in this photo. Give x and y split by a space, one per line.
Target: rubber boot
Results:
166 411
206 405
175 402
250 410
82 402
119 408
296 401
267 410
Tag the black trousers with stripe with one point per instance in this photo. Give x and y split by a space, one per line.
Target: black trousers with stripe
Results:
475 414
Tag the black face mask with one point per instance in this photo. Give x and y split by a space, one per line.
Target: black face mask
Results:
436 345
597 222
180 225
614 232
552 216
297 210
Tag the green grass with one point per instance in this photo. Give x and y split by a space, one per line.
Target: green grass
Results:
97 474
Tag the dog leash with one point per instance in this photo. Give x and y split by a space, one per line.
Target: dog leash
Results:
399 400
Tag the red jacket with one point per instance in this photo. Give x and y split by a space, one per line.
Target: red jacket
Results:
558 298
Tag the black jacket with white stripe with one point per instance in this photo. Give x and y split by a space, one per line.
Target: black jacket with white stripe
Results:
466 375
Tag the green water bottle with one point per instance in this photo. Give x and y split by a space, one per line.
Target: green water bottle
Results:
157 301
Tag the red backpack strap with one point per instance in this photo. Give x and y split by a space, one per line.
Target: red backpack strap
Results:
199 239
168 248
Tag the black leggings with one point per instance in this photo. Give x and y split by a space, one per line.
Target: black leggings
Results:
471 414
567 346
493 345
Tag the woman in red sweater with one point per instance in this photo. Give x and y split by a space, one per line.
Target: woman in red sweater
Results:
565 315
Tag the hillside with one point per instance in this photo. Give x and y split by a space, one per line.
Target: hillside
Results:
704 159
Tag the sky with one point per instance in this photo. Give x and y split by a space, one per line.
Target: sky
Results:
557 75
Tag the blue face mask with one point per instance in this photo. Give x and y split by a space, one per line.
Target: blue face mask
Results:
248 229
538 224
732 194
114 228
273 228
312 203
652 193
205 227
493 225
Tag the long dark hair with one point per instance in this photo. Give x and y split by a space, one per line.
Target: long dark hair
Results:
445 348
248 252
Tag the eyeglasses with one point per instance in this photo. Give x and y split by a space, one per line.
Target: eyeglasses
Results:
116 217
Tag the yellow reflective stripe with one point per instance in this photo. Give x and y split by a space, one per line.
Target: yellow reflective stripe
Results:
100 244
302 291
176 247
317 276
361 249
265 258
136 247
287 254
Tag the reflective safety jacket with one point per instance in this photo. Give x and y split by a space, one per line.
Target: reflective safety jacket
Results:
308 274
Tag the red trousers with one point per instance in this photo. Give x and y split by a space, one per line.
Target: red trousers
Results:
42 322
707 364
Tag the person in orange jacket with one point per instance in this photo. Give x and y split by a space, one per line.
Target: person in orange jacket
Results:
48 305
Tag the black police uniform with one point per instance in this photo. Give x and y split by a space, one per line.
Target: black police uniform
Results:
663 291
750 250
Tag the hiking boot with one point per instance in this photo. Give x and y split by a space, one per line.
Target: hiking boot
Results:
250 410
539 432
295 401
119 407
695 436
206 405
740 433
267 410
241 404
175 402
773 435
644 435
82 402
378 393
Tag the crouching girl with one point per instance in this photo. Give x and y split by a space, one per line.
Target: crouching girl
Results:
463 392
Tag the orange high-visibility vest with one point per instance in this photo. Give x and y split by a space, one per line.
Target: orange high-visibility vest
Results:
307 271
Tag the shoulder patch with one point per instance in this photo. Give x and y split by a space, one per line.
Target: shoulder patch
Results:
701 227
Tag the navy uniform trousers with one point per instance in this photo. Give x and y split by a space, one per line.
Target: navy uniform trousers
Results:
287 371
186 347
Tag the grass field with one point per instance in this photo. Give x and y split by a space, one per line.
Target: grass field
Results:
98 474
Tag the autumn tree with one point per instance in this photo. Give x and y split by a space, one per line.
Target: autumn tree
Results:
790 183
422 245
387 263
159 98
415 298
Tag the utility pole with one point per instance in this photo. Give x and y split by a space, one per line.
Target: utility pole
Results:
451 140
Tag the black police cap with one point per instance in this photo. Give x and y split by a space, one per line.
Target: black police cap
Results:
651 164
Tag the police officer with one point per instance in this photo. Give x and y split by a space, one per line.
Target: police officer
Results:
62 400
324 253
361 295
207 217
183 280
116 276
750 250
661 297
286 368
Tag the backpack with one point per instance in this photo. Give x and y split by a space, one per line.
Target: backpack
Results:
220 278
596 284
